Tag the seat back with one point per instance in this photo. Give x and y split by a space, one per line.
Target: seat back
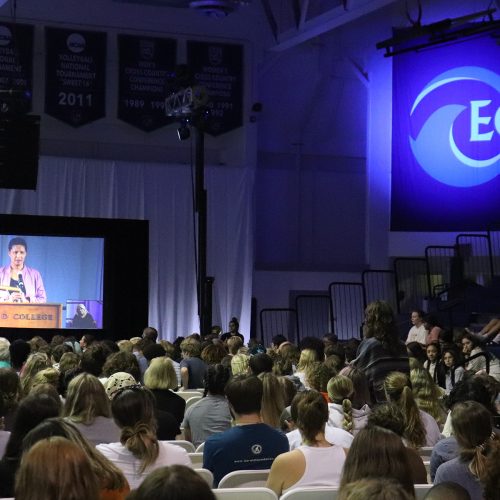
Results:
206 475
200 448
245 494
425 451
421 490
196 460
245 479
192 401
312 493
192 393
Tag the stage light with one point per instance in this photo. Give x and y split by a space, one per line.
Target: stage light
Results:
183 132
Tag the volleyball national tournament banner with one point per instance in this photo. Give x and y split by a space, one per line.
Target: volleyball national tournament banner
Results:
446 137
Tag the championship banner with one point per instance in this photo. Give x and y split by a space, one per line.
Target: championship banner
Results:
146 66
75 75
219 69
16 67
446 137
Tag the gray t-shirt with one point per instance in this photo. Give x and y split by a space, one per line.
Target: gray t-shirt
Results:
457 471
208 416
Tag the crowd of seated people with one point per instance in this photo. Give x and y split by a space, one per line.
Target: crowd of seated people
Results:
96 418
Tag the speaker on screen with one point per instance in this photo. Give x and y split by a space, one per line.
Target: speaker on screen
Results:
19 148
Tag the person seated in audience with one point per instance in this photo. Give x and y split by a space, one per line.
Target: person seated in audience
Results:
426 393
176 482
431 364
389 416
447 491
69 476
211 414
416 352
477 468
451 370
32 410
317 377
374 489
420 428
122 361
377 453
233 344
193 368
139 451
469 389
260 363
174 354
161 380
112 482
10 393
87 407
36 362
316 462
434 327
417 332
361 398
87 339
150 333
276 342
4 353
342 414
213 354
233 331
4 435
307 358
167 426
381 350
153 351
273 400
19 351
477 359
250 444
239 364
334 435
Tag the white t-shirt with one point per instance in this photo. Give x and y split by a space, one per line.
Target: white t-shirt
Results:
417 334
333 435
169 454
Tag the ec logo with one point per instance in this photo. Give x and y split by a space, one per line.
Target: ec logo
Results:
435 147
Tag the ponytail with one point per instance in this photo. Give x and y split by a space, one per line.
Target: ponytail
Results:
414 429
347 422
141 441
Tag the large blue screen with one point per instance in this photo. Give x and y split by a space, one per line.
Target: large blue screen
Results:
446 137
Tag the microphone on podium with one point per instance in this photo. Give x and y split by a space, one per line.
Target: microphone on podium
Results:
21 285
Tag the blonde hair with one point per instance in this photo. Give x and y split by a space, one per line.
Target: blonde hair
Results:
273 399
340 390
35 363
86 399
125 345
46 376
239 364
307 357
233 344
427 394
69 476
397 387
161 374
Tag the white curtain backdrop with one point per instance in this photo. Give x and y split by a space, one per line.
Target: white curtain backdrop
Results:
161 194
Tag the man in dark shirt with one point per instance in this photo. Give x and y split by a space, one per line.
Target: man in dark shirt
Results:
193 368
250 444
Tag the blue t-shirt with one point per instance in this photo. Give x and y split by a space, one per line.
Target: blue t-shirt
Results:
196 368
244 447
458 472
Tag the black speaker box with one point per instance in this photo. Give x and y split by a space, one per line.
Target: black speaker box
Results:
19 148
